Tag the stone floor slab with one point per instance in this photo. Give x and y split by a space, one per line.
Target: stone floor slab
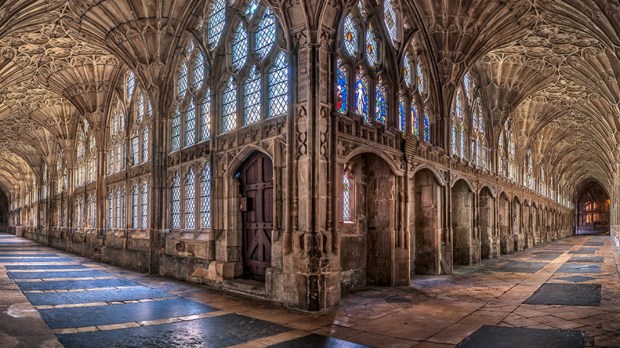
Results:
576 279
314 340
90 296
69 274
586 259
59 318
579 268
522 267
567 294
219 331
505 337
43 267
583 251
73 285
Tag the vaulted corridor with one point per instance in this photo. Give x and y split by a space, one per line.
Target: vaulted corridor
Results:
562 294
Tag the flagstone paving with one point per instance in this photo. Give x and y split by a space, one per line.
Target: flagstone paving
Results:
564 294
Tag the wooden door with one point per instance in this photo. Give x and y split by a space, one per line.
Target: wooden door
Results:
256 178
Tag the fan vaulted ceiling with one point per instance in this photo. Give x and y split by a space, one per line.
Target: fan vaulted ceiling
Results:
548 67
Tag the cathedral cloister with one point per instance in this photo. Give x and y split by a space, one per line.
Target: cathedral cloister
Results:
312 155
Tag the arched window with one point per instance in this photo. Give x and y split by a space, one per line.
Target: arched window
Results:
61 171
190 199
86 156
347 197
363 52
117 205
530 170
205 196
175 202
145 205
192 95
257 86
111 210
142 115
134 206
458 139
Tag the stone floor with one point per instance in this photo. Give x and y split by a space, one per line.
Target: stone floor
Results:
563 294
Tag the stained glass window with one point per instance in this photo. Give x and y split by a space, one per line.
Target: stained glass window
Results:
346 197
205 196
205 116
278 87
402 115
462 140
252 7
229 106
453 139
239 47
251 95
381 102
407 72
415 120
467 82
351 36
134 206
265 34
361 94
175 202
371 47
190 200
145 205
342 88
217 20
190 125
427 128
391 21
421 80
176 130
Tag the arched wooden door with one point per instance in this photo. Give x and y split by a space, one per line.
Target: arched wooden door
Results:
256 178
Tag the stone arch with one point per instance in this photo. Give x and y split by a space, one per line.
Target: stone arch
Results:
466 238
431 245
439 177
517 224
486 224
368 228
395 168
504 219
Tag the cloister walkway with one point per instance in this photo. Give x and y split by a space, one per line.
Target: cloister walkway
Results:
565 294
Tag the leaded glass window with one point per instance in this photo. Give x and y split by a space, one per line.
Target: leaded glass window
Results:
175 202
190 125
190 200
145 144
266 34
371 47
251 95
217 21
205 196
415 119
421 82
351 36
134 206
145 205
342 89
229 106
198 71
176 130
347 196
205 116
278 87
135 152
117 213
239 47
391 20
183 79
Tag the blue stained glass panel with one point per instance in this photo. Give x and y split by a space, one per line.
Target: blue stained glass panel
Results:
381 103
427 129
342 90
402 117
361 95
